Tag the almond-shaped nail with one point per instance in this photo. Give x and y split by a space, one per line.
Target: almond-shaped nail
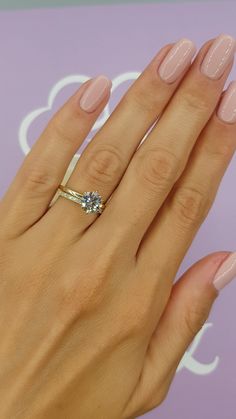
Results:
218 56
227 108
226 273
95 93
177 60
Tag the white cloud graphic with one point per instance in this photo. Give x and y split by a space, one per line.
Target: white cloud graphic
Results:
191 363
61 84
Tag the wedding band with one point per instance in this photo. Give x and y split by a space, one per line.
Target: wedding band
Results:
90 202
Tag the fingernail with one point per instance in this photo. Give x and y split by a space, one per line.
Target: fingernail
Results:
95 93
226 273
177 60
227 109
218 57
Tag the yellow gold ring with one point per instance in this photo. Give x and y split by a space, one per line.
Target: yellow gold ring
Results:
90 202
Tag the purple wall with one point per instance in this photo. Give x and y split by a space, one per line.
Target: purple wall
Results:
44 50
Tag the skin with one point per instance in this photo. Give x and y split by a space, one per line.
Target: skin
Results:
90 317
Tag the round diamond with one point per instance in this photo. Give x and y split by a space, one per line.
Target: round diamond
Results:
91 202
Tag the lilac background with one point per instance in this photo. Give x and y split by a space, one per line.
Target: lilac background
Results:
41 47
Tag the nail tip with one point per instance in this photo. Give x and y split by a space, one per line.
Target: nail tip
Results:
226 272
177 60
187 41
219 56
227 107
95 93
104 78
232 38
226 35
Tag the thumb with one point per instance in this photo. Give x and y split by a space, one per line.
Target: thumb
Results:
187 310
192 298
190 303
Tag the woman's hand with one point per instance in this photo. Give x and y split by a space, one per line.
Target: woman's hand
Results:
91 324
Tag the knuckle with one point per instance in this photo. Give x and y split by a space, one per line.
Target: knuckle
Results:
219 150
191 206
136 316
58 131
195 101
194 319
84 294
157 397
40 179
134 324
143 96
95 279
158 168
105 165
5 259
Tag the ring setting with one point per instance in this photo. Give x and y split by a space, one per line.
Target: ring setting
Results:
90 202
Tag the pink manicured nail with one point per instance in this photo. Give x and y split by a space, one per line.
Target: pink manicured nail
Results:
226 272
227 108
218 57
177 60
95 93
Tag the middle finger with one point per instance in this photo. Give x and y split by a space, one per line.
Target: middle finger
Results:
161 159
105 159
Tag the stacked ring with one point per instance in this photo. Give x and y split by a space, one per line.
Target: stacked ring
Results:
90 202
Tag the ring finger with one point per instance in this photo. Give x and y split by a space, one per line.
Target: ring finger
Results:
105 159
162 158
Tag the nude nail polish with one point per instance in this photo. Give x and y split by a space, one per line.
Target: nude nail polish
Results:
95 94
177 60
219 56
226 273
227 108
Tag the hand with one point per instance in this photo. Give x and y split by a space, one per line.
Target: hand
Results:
91 324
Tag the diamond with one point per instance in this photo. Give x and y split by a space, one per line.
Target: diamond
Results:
91 202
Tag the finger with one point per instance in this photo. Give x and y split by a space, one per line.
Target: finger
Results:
105 159
44 167
193 195
188 308
161 159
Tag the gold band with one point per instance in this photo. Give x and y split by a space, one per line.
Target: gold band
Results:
70 191
90 202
